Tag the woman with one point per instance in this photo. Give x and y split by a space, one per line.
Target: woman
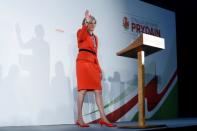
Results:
88 71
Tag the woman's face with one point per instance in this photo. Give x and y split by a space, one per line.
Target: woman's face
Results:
91 25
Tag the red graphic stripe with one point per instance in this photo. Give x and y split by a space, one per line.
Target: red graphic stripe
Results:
114 116
153 98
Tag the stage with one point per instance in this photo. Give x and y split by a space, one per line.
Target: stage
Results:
186 123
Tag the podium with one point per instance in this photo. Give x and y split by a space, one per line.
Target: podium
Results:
143 46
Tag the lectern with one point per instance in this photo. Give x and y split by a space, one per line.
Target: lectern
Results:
143 46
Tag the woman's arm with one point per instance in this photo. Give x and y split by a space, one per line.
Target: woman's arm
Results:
82 33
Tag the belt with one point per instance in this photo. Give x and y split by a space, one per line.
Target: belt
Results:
94 53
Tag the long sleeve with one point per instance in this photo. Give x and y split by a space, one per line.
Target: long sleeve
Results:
82 34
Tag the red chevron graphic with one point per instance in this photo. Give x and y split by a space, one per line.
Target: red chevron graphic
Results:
153 98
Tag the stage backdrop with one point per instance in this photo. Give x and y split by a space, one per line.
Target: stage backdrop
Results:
38 56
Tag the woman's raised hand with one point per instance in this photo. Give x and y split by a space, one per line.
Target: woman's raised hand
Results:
87 16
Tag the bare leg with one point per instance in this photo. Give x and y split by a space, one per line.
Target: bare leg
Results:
80 99
99 102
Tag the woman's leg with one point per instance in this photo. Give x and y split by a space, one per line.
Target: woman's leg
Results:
80 99
99 102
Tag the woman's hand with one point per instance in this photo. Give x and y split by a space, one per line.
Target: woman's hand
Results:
87 16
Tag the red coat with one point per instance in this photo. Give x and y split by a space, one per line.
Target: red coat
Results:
87 66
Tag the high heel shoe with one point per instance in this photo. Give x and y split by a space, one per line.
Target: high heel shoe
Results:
81 125
102 122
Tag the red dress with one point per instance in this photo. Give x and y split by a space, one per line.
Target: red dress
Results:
87 67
